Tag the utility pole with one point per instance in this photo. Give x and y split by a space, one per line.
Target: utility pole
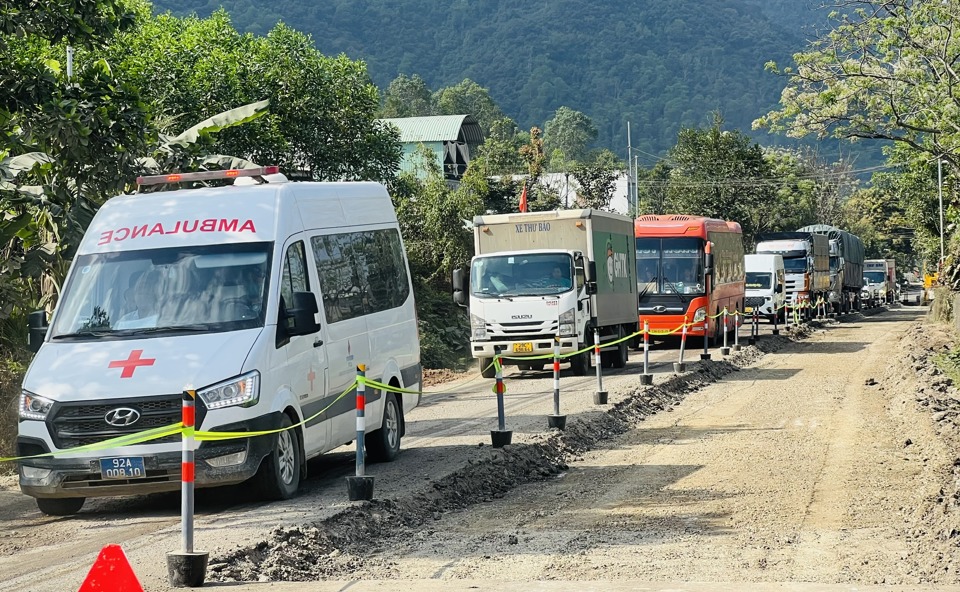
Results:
631 180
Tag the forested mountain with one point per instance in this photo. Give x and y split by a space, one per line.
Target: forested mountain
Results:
659 64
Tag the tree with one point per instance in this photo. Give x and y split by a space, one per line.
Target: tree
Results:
886 71
407 97
597 179
570 132
653 189
539 197
468 98
721 174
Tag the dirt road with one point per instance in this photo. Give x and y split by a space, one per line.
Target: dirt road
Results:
792 468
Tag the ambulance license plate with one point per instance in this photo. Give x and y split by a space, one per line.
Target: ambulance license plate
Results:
128 467
523 348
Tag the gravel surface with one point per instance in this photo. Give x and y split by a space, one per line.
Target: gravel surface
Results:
827 456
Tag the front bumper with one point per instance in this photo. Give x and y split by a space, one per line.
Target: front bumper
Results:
516 349
80 477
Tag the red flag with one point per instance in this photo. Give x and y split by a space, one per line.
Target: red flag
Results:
523 199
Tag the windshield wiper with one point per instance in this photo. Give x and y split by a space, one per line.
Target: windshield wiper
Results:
675 291
85 333
149 330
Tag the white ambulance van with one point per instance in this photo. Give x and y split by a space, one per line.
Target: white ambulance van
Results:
765 279
263 297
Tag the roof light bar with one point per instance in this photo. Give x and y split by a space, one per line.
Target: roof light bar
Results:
207 175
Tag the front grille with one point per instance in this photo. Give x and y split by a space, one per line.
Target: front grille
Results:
755 301
523 331
82 423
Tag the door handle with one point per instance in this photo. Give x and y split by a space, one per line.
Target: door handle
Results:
317 343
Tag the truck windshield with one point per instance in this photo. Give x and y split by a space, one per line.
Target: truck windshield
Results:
757 280
533 274
795 265
214 287
875 277
669 266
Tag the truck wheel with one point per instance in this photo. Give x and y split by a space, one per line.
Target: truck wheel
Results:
621 355
60 506
580 364
536 367
383 445
486 368
279 474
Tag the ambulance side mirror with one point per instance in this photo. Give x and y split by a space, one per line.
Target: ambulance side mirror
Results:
303 314
37 324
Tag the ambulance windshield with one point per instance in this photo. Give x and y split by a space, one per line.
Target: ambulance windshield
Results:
210 288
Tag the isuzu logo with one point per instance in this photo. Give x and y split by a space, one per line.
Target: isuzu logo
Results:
122 417
521 317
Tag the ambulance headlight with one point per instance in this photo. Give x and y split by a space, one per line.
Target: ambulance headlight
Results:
34 406
701 315
567 326
478 328
242 390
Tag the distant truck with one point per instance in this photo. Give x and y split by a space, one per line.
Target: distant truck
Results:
846 267
765 283
880 281
806 262
538 276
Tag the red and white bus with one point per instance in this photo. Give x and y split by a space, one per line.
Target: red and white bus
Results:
688 266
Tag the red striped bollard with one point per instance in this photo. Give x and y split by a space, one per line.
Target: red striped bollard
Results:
776 318
725 351
736 330
501 436
600 397
680 366
754 327
706 340
556 420
360 486
646 377
187 568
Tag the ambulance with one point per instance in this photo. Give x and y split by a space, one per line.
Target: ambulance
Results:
263 297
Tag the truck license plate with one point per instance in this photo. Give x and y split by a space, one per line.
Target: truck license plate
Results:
523 348
130 467
747 309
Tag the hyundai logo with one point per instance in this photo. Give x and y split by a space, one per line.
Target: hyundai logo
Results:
122 417
659 309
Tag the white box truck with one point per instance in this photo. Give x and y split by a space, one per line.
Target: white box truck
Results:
765 285
262 299
538 276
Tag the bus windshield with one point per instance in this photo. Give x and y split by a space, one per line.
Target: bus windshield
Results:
670 265
535 274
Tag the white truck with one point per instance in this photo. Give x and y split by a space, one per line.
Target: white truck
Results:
541 276
879 282
765 282
806 260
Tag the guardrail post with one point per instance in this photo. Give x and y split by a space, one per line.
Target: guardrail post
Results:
501 436
736 330
725 351
188 568
646 377
600 397
706 339
680 366
360 486
556 420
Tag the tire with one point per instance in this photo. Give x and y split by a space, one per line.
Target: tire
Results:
580 364
536 367
60 506
486 368
279 475
383 445
621 355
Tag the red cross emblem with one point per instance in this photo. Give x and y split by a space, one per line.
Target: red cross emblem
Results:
311 376
131 363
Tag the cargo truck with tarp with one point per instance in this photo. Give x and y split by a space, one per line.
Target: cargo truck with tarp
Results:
544 276
806 261
846 267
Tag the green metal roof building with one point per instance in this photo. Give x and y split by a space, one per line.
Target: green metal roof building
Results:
451 138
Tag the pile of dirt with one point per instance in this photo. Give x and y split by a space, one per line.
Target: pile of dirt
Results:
933 530
350 541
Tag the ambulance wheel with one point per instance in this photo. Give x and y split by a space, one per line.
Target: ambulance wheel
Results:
60 506
279 474
383 445
486 368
